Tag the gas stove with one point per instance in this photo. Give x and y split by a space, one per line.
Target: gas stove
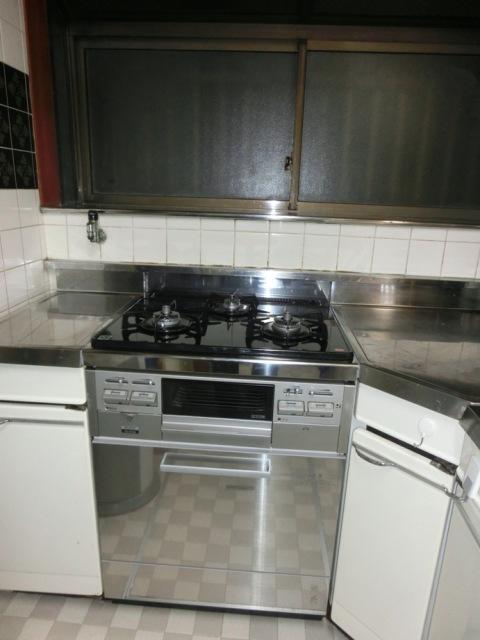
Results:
227 325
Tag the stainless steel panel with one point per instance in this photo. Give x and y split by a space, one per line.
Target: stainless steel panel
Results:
130 425
251 370
316 437
255 432
262 543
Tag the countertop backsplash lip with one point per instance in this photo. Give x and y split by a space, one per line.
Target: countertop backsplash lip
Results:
316 245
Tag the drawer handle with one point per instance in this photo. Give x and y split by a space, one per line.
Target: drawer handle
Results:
130 430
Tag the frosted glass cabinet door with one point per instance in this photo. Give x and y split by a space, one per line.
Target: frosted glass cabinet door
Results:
399 129
215 124
456 614
48 532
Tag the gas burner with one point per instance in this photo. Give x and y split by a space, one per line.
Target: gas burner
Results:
231 307
287 324
166 321
287 330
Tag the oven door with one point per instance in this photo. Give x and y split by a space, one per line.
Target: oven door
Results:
217 412
215 529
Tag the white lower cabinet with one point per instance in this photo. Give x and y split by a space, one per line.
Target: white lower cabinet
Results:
456 614
48 532
393 521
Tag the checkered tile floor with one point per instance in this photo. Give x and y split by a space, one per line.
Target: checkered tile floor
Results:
28 616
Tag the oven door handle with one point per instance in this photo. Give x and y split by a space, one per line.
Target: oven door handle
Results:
204 465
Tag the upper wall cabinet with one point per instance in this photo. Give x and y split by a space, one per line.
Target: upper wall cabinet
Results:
161 124
391 129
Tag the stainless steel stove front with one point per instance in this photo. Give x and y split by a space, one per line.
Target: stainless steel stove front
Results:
231 530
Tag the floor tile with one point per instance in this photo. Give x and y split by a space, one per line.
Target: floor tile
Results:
63 631
237 626
10 627
208 624
74 610
35 629
48 607
22 605
92 632
25 616
127 616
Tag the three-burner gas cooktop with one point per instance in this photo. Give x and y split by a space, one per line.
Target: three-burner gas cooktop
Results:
229 325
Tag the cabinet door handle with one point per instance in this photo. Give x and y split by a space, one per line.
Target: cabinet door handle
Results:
371 460
4 422
385 463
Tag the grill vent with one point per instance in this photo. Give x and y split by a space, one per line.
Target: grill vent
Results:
217 399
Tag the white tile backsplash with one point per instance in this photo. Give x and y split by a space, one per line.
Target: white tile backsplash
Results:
13 46
32 244
425 258
118 246
56 241
320 253
428 233
12 248
9 211
400 231
141 221
183 245
322 229
390 255
22 238
183 222
277 244
80 247
286 251
150 245
217 224
287 226
358 230
251 249
217 247
16 282
10 11
463 235
460 260
258 226
355 254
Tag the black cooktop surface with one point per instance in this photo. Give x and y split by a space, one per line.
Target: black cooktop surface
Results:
227 325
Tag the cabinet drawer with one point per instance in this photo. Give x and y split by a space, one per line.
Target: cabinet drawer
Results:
126 425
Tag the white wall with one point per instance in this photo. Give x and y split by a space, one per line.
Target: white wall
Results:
22 275
380 249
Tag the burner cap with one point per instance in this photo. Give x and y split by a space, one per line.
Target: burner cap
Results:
166 320
231 306
286 324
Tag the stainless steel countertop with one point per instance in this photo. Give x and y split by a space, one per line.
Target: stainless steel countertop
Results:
428 356
55 330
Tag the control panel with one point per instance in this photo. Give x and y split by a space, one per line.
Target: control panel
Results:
308 404
128 393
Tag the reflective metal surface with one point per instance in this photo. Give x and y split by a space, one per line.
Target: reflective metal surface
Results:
471 423
54 330
276 369
221 539
436 353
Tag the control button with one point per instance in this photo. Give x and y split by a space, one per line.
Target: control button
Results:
320 392
115 396
145 381
118 380
323 409
144 398
293 391
291 407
